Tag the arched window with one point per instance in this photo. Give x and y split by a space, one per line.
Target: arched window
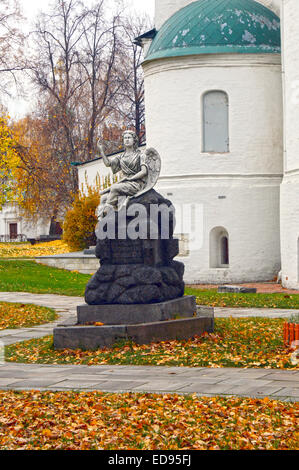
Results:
219 248
215 122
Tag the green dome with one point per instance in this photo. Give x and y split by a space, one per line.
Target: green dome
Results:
217 27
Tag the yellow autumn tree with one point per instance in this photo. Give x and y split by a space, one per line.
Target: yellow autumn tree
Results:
80 221
9 161
43 177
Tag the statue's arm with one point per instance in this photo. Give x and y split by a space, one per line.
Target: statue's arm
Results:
102 153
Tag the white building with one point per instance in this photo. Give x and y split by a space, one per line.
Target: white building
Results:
14 227
222 109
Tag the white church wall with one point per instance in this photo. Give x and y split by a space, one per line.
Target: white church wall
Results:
173 100
238 190
247 208
166 8
89 172
290 186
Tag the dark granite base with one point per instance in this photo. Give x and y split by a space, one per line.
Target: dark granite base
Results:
95 337
134 314
131 284
175 319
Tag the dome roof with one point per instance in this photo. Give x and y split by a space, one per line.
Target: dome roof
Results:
216 27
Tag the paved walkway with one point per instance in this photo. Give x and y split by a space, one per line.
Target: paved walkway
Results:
273 383
253 312
65 307
276 384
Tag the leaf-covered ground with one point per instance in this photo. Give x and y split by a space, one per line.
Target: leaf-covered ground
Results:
14 315
250 342
94 420
26 250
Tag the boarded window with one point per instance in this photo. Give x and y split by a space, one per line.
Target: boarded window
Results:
215 122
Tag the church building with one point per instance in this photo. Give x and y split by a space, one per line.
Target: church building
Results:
222 110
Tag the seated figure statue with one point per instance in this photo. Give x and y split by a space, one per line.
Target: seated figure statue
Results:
139 173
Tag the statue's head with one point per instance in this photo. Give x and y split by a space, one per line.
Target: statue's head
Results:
133 135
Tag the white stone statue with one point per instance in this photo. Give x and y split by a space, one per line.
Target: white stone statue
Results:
140 173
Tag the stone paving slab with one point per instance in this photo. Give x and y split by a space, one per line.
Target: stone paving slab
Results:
7 381
75 384
203 381
120 386
289 392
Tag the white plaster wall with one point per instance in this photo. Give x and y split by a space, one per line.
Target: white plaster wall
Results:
290 231
249 213
238 190
89 172
290 186
34 229
164 9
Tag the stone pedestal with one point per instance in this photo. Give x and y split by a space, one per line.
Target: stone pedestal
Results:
138 291
174 319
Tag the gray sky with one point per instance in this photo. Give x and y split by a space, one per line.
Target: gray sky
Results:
17 106
31 7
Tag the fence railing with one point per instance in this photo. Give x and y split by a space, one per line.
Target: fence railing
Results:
8 239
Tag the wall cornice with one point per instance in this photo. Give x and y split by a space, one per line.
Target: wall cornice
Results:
220 176
212 60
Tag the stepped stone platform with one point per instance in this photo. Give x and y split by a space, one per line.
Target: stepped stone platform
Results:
77 261
165 321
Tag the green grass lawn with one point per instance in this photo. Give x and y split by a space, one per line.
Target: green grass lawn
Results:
236 342
213 299
28 276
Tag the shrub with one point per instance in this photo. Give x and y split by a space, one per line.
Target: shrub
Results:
80 221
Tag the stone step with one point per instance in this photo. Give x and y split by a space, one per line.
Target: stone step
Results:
116 314
95 337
